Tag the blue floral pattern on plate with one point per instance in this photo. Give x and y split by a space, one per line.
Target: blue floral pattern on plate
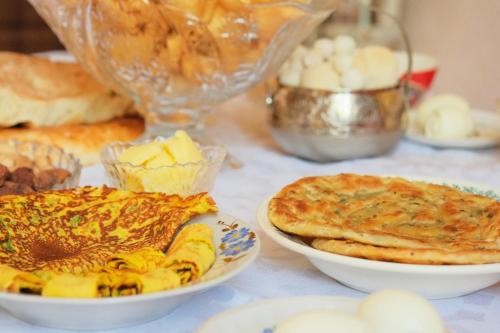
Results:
236 241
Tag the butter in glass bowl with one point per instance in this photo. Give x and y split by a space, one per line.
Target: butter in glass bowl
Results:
173 165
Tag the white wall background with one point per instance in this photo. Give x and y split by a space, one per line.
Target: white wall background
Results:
464 36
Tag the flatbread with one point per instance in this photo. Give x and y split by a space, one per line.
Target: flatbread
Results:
38 92
388 212
429 256
83 141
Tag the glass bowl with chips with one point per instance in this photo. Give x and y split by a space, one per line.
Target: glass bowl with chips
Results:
31 166
176 59
144 173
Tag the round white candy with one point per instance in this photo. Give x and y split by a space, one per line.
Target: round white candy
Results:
397 311
343 62
312 58
290 78
344 44
379 66
353 79
324 46
285 67
299 53
321 76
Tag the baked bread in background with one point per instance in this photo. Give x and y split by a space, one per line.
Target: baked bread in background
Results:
85 141
38 92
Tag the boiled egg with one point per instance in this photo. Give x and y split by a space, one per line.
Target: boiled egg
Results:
395 311
437 102
323 321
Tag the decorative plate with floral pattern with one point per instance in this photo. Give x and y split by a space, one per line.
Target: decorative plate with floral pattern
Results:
237 246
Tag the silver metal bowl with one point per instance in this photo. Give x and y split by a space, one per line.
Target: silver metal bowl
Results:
328 126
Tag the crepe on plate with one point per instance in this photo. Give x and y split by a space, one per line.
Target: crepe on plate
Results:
77 230
141 272
391 219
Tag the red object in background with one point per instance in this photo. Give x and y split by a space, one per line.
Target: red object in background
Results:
420 82
424 69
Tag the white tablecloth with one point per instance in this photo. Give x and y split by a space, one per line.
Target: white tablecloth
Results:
240 125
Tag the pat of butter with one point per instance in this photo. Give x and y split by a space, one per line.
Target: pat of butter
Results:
139 155
174 154
182 148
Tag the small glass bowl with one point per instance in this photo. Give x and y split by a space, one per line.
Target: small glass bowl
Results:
15 154
182 179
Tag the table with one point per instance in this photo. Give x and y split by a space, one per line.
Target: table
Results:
240 125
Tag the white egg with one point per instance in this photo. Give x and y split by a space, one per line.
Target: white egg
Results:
344 44
321 76
324 46
312 58
322 321
290 78
431 104
449 124
343 62
395 311
353 79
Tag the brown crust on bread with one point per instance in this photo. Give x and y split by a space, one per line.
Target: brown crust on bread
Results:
425 256
83 141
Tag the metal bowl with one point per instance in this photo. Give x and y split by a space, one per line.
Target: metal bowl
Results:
328 126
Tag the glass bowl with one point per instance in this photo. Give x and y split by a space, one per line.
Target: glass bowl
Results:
15 154
182 179
177 58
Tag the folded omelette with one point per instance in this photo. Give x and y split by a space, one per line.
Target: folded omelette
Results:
114 248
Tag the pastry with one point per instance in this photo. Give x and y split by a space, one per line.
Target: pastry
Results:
38 92
83 141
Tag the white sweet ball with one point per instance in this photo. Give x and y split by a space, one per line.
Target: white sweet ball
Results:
397 311
322 321
285 67
290 78
449 124
299 53
344 44
324 46
312 58
343 62
441 101
353 79
321 76
379 66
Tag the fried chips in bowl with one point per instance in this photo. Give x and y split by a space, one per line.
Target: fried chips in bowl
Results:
440 238
90 245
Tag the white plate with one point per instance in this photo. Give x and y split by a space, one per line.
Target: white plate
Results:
263 316
237 246
431 281
487 124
